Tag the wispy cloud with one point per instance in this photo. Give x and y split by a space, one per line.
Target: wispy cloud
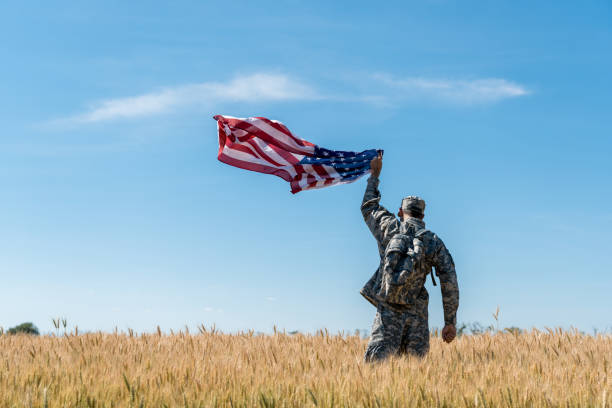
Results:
270 87
271 299
455 91
260 87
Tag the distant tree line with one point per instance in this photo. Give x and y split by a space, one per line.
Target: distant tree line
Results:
25 328
477 328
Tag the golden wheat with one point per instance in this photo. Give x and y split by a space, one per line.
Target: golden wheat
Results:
534 369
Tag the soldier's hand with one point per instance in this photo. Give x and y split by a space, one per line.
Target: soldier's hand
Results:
449 332
376 165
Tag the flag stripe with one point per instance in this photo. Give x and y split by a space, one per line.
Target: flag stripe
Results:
282 128
291 158
245 149
235 160
267 155
320 170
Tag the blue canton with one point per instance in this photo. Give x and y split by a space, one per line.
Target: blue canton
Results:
349 165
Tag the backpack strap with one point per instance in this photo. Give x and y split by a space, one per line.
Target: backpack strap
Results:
418 235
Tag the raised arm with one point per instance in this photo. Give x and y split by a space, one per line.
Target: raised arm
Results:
445 269
381 222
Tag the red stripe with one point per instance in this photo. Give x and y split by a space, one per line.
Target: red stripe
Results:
242 148
326 183
270 138
320 170
285 154
299 169
282 128
262 153
295 187
255 167
309 186
295 184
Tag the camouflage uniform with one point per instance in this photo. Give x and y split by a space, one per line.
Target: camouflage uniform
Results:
400 328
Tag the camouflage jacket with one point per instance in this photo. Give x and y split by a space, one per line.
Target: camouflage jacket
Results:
384 225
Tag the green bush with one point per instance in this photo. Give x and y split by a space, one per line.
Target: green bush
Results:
26 328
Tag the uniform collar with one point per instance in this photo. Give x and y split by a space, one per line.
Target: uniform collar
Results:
419 224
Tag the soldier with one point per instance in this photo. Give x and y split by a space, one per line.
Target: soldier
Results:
401 323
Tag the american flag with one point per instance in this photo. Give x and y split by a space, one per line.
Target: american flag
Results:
267 146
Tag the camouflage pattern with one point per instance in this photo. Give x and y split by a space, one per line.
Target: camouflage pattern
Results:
405 317
413 203
399 331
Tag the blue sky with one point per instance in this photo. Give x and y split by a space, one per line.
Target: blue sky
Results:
115 211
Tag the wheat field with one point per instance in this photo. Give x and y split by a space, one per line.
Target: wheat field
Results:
212 369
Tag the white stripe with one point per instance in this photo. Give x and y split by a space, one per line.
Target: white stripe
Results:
263 126
337 181
303 181
239 132
331 171
227 130
242 156
277 157
249 148
310 170
237 154
318 186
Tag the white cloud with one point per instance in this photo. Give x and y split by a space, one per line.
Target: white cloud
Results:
208 309
261 87
268 87
464 92
271 299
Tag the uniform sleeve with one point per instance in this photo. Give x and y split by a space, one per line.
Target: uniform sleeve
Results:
445 269
381 222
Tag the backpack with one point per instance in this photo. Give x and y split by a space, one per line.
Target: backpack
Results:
403 270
